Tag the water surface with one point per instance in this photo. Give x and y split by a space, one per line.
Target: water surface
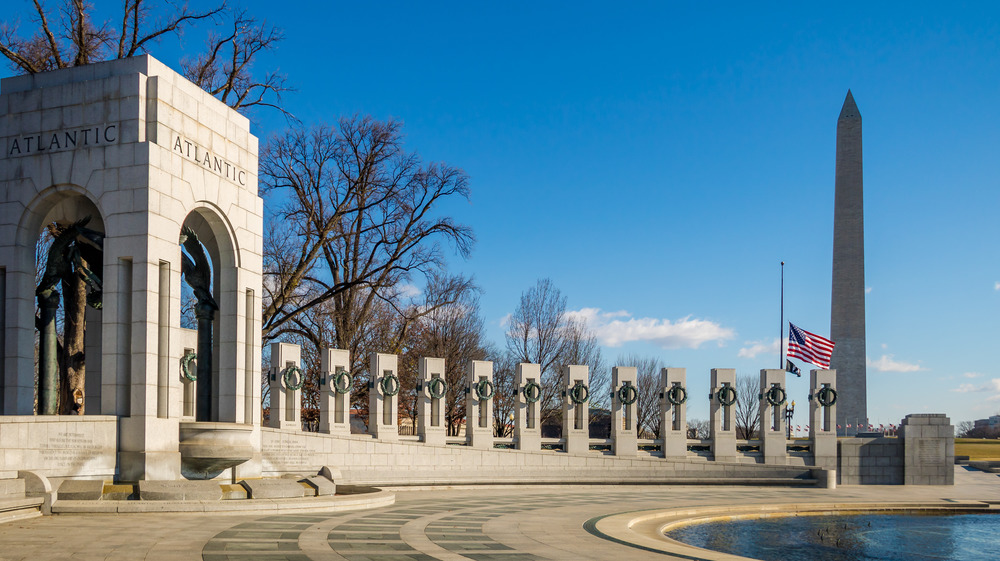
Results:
868 537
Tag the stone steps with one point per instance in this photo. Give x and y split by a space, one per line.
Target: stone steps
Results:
14 504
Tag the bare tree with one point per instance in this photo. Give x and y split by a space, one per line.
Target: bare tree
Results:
580 346
453 331
747 414
698 428
535 334
225 68
504 397
359 223
540 332
69 36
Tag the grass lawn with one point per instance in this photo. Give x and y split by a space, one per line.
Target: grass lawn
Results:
978 448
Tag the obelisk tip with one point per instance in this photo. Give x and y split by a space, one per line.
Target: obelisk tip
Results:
850 109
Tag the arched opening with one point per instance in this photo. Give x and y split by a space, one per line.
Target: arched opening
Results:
68 244
208 273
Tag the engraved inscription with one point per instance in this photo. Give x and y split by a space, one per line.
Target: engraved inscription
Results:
69 449
209 161
930 452
59 140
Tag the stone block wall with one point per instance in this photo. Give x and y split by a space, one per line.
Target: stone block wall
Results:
82 447
364 460
923 454
929 455
870 461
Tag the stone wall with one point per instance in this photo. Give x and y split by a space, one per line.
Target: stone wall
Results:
365 460
59 446
923 454
870 461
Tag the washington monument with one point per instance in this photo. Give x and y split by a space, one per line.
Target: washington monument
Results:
847 306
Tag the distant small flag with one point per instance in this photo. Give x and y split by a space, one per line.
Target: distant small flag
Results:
809 346
798 428
791 368
848 425
838 426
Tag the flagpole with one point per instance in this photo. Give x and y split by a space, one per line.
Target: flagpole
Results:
781 330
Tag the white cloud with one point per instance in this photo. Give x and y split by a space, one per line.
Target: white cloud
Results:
972 375
996 285
968 388
505 321
615 328
408 290
868 290
991 386
888 363
885 346
755 348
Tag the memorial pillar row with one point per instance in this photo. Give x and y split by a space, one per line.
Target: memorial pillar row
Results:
673 408
527 427
624 411
383 397
576 413
432 391
722 409
823 417
286 384
773 400
479 404
335 391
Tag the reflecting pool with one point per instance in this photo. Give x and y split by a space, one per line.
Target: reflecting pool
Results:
866 537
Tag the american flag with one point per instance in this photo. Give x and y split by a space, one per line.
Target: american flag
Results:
809 346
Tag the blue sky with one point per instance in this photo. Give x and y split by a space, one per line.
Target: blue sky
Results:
659 160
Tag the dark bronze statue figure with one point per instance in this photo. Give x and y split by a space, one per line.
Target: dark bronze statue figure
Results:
197 272
74 260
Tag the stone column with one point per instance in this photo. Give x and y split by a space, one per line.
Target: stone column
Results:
723 431
773 441
383 397
335 391
823 419
928 449
576 416
624 411
286 402
430 409
527 428
479 404
673 424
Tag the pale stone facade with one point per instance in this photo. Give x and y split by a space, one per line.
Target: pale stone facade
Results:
141 151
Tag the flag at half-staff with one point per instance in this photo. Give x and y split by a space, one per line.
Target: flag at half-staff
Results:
809 346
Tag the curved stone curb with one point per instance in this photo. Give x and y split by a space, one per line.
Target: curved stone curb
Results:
645 529
336 503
